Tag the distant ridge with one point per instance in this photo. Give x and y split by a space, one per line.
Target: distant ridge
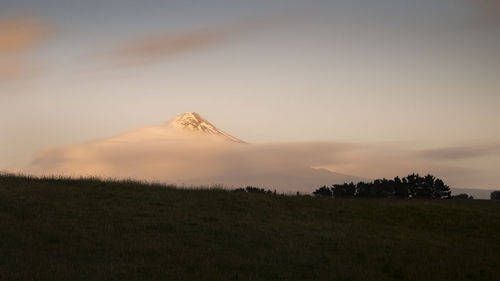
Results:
475 192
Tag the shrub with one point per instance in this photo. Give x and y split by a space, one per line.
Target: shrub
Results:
323 191
462 196
495 195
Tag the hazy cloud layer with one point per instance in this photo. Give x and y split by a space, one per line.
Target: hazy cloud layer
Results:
191 159
189 162
461 152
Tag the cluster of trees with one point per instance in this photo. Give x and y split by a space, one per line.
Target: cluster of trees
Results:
412 186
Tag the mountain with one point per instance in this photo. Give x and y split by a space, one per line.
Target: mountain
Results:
186 127
189 150
193 122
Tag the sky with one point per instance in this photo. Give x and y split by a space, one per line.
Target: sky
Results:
423 75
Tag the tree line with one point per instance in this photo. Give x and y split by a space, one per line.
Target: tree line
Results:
412 186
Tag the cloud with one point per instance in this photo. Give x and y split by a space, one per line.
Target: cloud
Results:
19 36
159 47
157 154
187 158
461 152
151 49
286 167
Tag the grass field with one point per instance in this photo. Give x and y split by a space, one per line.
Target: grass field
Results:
95 230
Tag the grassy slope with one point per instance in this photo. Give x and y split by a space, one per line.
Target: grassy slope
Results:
92 230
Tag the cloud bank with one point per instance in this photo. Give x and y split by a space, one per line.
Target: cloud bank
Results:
461 152
191 158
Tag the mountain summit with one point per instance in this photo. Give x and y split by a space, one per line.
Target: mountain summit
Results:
192 121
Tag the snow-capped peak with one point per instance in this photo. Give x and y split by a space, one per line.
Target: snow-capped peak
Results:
192 121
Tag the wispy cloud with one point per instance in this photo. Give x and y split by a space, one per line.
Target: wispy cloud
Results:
461 152
159 47
150 49
18 36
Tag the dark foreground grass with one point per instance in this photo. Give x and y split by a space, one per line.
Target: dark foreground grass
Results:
95 230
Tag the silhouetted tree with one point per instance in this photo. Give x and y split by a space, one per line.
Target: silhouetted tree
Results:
385 188
400 188
441 190
427 187
344 190
420 187
323 191
495 195
364 190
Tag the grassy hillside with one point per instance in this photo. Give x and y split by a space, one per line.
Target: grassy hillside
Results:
94 230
